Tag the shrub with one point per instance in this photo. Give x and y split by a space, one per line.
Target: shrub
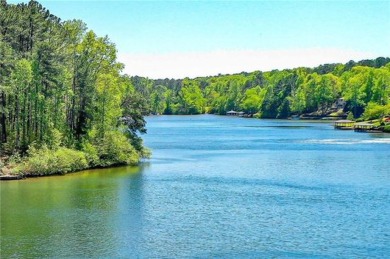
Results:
257 115
91 154
45 161
112 149
146 153
68 160
350 116
115 149
387 129
375 111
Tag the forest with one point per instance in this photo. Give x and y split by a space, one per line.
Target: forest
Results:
65 105
364 85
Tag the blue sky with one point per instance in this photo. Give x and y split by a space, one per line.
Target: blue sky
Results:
197 38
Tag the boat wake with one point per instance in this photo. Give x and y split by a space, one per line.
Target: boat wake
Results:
348 141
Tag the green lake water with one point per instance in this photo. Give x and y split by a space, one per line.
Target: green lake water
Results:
216 186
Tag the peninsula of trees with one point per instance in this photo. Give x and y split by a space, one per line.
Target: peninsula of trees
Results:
64 104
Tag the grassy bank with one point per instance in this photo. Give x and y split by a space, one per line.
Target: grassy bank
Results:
49 161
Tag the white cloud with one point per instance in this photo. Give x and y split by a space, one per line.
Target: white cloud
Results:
180 65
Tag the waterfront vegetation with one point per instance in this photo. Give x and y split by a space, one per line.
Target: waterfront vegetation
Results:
364 85
66 105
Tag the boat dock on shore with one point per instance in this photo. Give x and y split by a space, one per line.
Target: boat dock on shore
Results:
344 124
358 127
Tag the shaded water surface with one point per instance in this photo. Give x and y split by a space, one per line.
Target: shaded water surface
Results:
215 187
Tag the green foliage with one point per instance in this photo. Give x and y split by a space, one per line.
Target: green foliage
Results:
192 101
54 139
274 94
61 89
45 161
376 111
91 154
115 149
350 116
253 99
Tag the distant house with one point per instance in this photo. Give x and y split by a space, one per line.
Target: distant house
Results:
232 113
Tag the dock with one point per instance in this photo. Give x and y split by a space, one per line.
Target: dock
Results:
364 127
358 127
344 124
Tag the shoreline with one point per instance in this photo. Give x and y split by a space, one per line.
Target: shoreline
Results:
6 176
17 177
302 117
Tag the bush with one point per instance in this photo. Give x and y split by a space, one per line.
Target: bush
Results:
112 149
91 154
115 149
350 116
68 160
45 161
257 115
375 111
387 129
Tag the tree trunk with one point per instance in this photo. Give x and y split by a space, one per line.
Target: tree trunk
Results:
3 120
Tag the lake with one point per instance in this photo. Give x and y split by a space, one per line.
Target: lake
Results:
216 186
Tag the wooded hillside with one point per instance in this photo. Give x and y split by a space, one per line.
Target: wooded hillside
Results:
364 85
62 94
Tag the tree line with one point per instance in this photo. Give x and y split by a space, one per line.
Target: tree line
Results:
62 94
364 85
